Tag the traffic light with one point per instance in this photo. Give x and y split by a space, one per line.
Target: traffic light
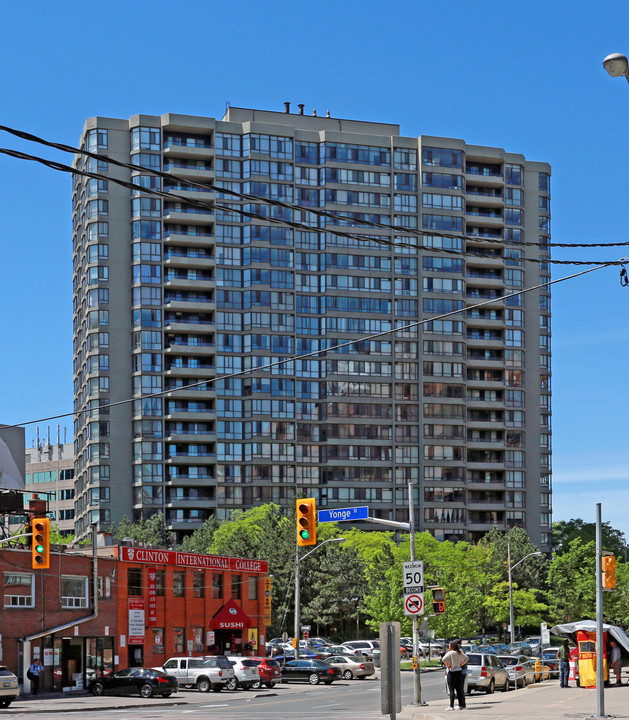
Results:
40 549
438 601
609 571
306 522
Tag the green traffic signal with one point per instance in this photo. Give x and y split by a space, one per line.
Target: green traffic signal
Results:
304 534
39 548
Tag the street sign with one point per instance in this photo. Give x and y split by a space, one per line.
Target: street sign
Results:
341 514
413 577
305 628
414 605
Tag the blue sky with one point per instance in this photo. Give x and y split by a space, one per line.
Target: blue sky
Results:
523 76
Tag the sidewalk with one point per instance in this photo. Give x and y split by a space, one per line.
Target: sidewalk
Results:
545 701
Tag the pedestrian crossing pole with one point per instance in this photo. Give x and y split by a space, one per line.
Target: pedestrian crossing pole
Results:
417 681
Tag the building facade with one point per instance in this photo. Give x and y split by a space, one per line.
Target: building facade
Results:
49 476
280 235
151 604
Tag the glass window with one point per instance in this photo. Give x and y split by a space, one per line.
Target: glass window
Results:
19 589
198 584
179 584
252 587
73 592
439 157
178 640
217 586
236 587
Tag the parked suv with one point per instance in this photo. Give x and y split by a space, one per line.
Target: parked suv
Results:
246 673
270 672
365 646
485 672
209 673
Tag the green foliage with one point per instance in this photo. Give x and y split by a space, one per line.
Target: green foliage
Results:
572 583
530 574
527 610
565 531
201 538
152 532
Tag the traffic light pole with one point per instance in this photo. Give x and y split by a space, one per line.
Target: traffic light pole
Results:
298 560
600 702
417 683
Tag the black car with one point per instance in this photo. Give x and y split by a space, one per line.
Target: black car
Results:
314 671
130 681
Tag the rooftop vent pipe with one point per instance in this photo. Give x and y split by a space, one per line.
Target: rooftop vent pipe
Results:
287 107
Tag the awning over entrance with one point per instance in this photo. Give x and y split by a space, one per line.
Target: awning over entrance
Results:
230 617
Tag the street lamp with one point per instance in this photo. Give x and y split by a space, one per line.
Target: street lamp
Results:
511 619
617 65
297 628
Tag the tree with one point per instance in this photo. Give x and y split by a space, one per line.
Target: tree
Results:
530 574
201 538
572 584
152 532
527 610
565 531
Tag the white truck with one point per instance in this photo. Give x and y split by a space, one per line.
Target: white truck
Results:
205 674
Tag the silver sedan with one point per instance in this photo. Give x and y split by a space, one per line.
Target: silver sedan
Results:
351 667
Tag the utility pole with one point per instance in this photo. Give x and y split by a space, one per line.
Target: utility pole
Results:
600 680
417 684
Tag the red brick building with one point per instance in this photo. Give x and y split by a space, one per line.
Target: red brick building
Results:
150 605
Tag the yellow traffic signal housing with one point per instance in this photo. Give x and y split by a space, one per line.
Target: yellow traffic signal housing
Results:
609 571
438 601
40 549
306 522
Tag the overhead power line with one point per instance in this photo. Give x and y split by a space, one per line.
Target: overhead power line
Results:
276 203
314 353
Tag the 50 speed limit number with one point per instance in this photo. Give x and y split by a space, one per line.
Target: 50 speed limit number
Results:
413 581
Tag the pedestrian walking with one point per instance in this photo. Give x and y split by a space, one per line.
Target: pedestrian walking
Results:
33 674
564 664
616 661
455 661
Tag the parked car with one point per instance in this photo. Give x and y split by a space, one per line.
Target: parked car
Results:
485 672
313 671
350 667
320 641
551 660
303 653
472 648
270 672
501 648
365 646
9 687
209 673
521 672
146 682
542 671
520 648
246 673
344 650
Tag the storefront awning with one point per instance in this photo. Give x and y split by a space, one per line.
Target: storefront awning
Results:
230 617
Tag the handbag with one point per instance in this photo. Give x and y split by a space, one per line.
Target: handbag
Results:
30 675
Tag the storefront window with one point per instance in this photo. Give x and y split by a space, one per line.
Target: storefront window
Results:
158 641
197 637
160 584
179 639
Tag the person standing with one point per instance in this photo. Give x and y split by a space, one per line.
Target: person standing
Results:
455 660
564 664
616 661
34 672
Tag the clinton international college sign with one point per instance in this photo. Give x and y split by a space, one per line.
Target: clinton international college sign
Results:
193 560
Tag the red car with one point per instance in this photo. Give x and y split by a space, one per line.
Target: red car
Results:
270 672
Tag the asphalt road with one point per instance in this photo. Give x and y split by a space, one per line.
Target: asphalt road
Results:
344 700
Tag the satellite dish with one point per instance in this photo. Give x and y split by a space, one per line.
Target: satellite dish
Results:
10 476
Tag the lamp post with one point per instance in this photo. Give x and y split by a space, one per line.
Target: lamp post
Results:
511 618
617 65
298 560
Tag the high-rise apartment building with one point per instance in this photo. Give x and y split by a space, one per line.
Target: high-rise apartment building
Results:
349 229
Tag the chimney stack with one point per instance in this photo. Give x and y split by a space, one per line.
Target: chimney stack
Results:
314 112
287 107
301 108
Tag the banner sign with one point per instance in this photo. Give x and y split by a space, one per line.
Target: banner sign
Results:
136 621
152 621
193 560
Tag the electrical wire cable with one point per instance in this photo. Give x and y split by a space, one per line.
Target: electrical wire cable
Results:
277 203
331 349
237 210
